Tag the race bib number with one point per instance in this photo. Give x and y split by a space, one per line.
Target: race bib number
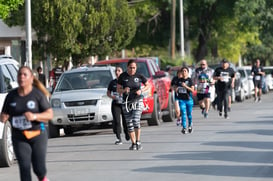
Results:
225 76
20 122
202 87
257 77
181 90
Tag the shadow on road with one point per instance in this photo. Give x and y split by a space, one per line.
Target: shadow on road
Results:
214 170
254 131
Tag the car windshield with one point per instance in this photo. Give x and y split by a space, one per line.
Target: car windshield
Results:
242 73
248 71
84 80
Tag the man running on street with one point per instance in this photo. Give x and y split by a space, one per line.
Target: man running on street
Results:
258 72
225 77
204 79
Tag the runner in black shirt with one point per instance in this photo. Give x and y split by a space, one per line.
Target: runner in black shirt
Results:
41 76
130 85
184 88
27 108
179 74
258 72
225 77
116 108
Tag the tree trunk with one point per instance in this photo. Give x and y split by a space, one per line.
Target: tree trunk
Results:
201 49
214 51
205 26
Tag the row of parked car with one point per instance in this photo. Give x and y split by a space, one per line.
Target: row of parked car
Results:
246 82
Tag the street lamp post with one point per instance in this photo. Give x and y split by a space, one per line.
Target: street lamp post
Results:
173 29
182 29
28 33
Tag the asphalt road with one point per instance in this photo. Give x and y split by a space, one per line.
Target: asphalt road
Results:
240 148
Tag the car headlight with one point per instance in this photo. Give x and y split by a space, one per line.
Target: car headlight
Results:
105 100
56 103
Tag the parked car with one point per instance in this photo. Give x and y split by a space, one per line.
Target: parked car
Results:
158 100
246 80
269 77
8 81
79 100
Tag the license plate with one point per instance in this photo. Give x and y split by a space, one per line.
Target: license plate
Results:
78 112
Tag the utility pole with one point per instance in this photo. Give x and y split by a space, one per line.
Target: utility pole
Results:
182 29
28 33
173 29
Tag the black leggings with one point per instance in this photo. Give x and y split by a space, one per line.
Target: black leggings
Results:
30 151
223 98
117 115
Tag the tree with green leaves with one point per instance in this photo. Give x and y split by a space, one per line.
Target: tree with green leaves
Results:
153 23
214 28
6 6
264 49
81 28
224 28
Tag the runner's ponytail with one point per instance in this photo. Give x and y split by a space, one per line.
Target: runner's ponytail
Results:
38 84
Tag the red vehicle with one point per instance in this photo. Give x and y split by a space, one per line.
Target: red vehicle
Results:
54 76
158 100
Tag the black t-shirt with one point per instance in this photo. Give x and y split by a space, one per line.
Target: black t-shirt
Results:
112 87
174 80
16 105
42 78
133 82
257 76
174 83
226 74
182 92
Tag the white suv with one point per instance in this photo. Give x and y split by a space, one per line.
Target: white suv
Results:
8 81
